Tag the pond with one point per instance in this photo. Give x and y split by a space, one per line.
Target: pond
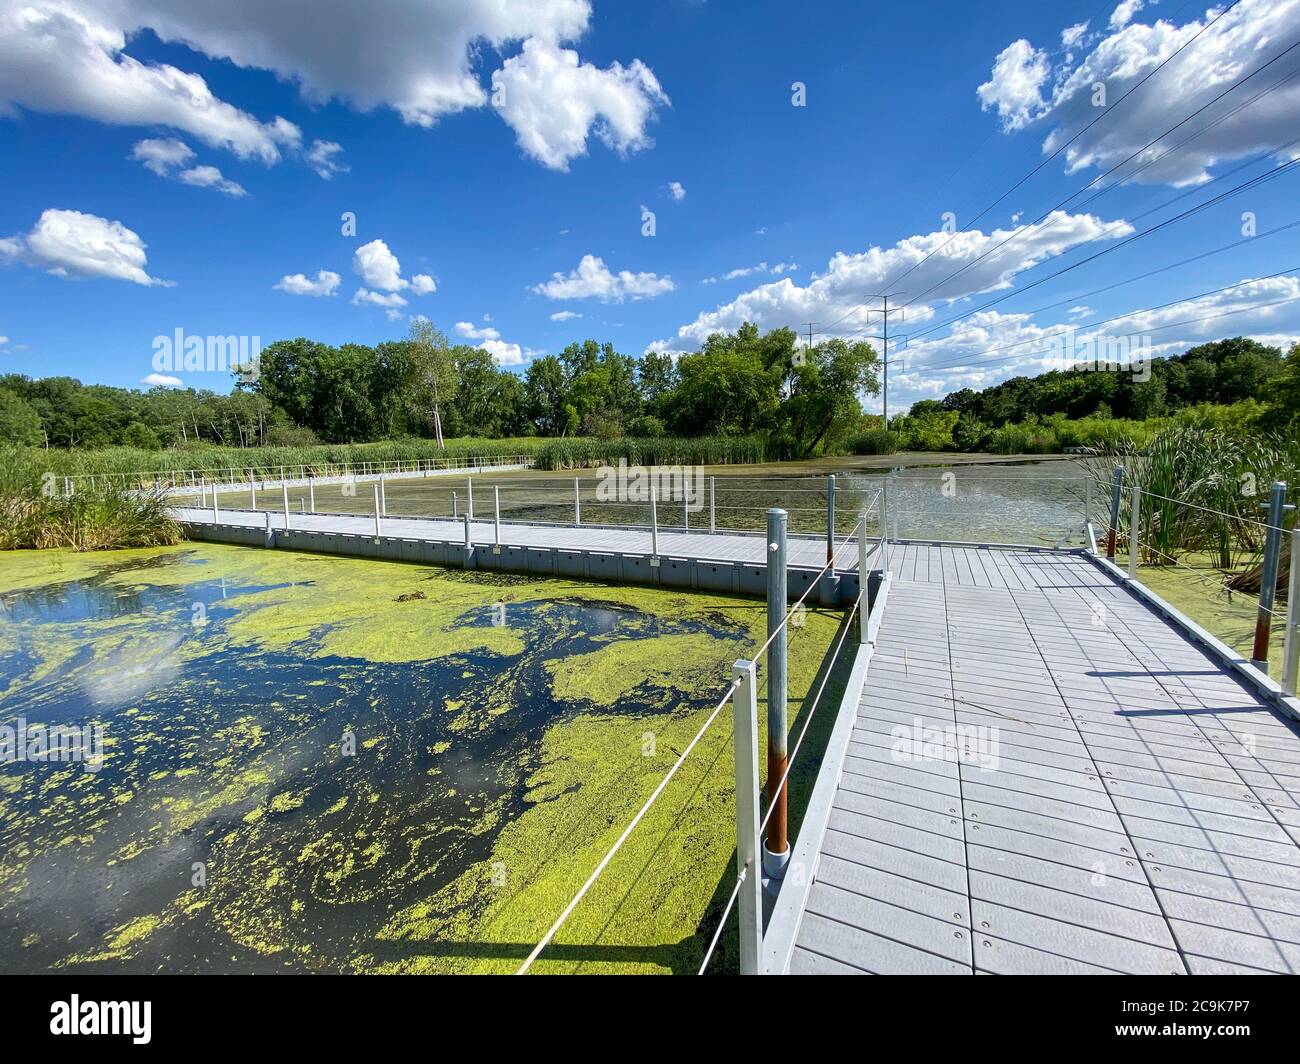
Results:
346 765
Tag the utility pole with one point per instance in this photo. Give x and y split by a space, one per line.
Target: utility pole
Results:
884 297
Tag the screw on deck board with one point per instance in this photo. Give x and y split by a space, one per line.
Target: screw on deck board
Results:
1116 487
1268 578
776 851
744 713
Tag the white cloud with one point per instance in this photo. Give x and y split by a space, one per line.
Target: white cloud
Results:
990 347
746 271
1015 87
419 59
838 297
593 280
1123 14
553 101
1240 41
164 157
3 340
67 58
677 190
375 264
391 302
565 315
489 339
1072 35
71 244
322 157
297 284
161 380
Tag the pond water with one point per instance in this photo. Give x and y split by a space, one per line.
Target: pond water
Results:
331 764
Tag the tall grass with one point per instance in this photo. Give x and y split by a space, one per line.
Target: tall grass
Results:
37 515
268 460
650 450
1202 490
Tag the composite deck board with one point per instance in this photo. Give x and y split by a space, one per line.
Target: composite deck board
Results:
1122 804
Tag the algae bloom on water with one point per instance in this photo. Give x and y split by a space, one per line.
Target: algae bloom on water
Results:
328 764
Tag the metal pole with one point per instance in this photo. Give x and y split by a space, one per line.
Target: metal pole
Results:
311 493
252 493
284 487
713 498
1116 487
830 516
1268 577
654 522
744 711
469 498
776 852
455 515
1134 532
469 546
864 580
1087 500
577 503
214 504
378 511
686 508
383 495
496 511
1291 650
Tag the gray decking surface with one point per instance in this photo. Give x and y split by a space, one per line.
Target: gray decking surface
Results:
1142 813
721 546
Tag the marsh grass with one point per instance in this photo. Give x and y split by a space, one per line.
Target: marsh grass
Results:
35 514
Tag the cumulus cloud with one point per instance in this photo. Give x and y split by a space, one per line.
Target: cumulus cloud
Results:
1028 91
418 59
990 347
166 157
1072 35
1123 14
594 280
553 101
68 58
297 284
71 244
161 380
489 339
391 302
323 157
746 271
422 284
677 190
379 268
565 315
838 297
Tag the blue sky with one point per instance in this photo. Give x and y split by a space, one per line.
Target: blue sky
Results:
479 212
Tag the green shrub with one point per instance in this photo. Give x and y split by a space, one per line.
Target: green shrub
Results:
874 441
650 451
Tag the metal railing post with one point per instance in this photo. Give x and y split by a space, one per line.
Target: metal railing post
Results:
1134 530
383 496
284 487
214 504
577 503
469 498
496 511
311 494
654 522
864 580
744 712
713 510
1268 575
1112 533
1291 648
252 493
378 511
469 546
455 514
776 850
830 516
1087 500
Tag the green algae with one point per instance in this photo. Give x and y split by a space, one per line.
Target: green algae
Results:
472 808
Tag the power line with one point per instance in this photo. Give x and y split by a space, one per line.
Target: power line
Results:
1100 177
